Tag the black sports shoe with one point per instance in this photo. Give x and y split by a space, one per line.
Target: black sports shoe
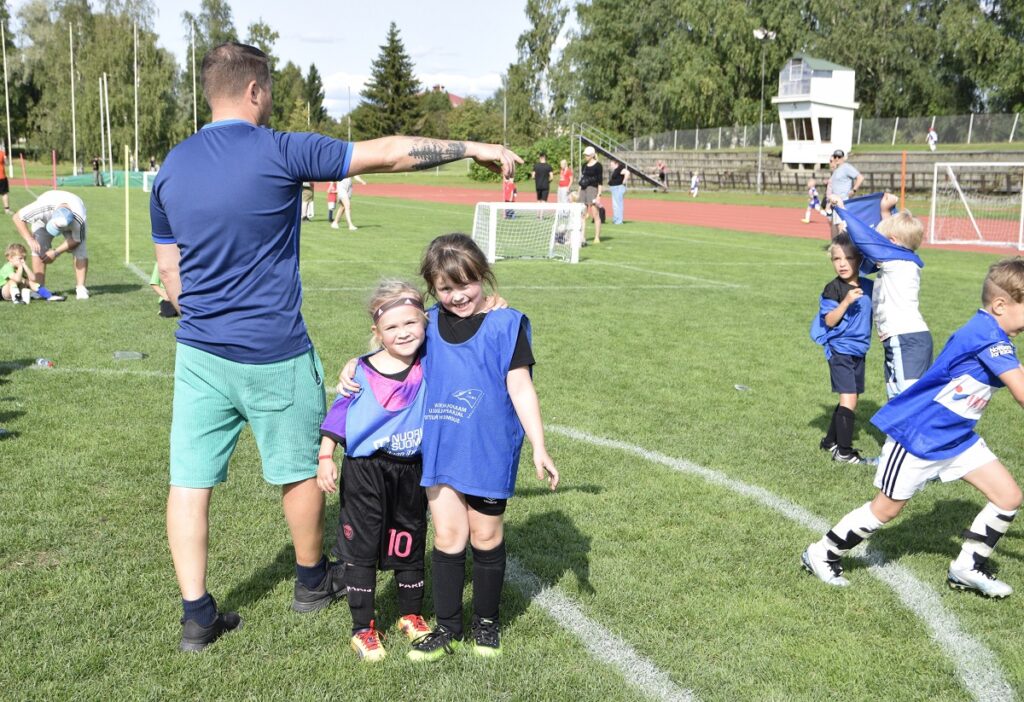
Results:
437 644
826 445
330 589
853 456
486 636
195 637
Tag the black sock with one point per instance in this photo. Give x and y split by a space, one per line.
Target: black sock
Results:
312 576
830 435
202 611
844 428
362 582
449 578
488 579
410 591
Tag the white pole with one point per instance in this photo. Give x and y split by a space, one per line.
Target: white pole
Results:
195 104
895 127
7 100
935 191
103 131
74 125
760 125
1020 227
136 94
110 134
970 128
860 125
1013 129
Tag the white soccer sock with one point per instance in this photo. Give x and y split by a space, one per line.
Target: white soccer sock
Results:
985 532
856 526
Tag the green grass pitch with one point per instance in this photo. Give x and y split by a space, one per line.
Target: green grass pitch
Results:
641 343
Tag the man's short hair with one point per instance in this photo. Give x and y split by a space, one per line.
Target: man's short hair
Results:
1004 277
229 67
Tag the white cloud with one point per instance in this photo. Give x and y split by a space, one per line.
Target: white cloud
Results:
337 86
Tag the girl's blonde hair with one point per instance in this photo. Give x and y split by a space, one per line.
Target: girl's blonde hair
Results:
389 290
904 227
457 258
1004 277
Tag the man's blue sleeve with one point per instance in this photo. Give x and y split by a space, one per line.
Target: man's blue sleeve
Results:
873 246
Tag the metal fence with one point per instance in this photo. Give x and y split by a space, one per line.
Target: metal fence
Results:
951 129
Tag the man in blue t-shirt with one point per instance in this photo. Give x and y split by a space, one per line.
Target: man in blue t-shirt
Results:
243 353
930 436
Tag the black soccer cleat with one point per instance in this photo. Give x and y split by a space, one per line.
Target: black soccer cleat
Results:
195 637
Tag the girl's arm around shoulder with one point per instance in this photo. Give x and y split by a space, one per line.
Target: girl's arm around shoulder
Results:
524 399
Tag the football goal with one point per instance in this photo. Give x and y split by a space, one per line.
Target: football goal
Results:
977 203
529 230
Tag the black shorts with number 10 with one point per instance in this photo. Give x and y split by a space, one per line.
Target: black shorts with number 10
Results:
383 518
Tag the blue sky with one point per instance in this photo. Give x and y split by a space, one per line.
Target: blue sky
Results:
461 44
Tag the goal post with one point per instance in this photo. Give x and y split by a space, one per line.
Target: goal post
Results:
529 230
977 203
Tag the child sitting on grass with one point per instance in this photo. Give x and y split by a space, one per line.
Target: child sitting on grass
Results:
17 281
843 328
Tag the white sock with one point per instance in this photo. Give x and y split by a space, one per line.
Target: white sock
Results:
986 530
856 526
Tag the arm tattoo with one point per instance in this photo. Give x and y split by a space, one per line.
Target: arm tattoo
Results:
429 153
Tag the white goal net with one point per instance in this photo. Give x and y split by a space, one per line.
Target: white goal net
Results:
529 230
147 180
977 203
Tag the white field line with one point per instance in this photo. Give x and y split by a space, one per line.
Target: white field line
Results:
603 645
137 271
98 371
975 664
717 283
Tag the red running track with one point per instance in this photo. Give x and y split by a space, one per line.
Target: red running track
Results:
780 221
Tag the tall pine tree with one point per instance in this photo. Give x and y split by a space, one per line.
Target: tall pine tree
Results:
391 93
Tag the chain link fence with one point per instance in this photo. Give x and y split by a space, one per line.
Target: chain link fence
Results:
951 129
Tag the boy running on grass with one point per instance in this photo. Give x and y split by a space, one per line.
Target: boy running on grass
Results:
930 435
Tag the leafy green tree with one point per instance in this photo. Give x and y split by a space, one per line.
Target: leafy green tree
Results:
213 26
435 106
475 121
526 82
263 37
391 93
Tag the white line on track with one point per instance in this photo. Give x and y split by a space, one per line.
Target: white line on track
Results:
717 283
977 667
602 644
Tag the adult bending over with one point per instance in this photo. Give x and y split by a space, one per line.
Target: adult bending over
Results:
55 213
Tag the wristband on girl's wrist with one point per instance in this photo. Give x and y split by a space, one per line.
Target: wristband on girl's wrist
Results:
326 455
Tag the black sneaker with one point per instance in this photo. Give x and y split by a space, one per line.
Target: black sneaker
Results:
826 445
330 589
486 636
195 637
853 456
439 643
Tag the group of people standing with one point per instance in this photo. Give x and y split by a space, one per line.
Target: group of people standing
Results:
445 398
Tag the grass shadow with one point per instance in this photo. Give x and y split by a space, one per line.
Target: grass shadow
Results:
937 531
115 289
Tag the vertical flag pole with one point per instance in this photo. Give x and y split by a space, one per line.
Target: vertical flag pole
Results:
74 121
903 180
127 218
7 97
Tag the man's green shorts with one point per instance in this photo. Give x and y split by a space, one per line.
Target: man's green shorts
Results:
214 398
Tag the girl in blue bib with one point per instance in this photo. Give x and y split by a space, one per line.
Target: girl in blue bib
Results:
480 402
